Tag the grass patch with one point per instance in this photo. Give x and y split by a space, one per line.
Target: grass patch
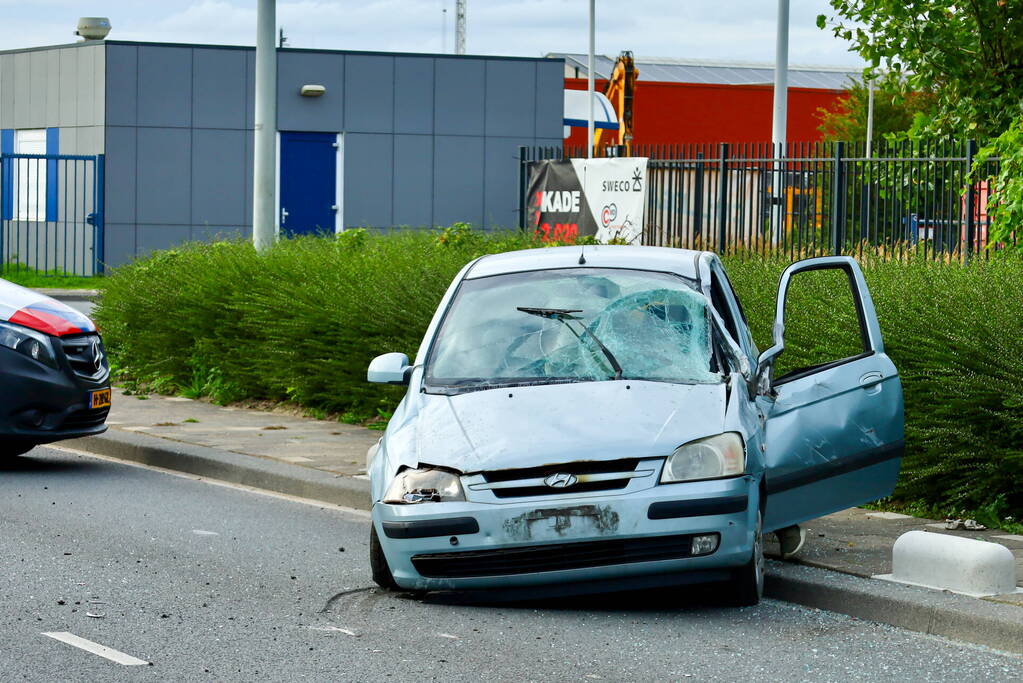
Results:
300 323
37 279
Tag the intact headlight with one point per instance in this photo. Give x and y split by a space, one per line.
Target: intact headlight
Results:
426 485
31 343
716 456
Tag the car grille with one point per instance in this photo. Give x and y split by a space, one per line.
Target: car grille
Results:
85 419
528 481
555 557
86 355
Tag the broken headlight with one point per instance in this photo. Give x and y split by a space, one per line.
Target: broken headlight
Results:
427 485
717 456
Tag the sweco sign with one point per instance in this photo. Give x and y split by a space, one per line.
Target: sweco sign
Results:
605 198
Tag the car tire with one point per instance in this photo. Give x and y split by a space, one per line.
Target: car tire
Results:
748 582
378 563
11 449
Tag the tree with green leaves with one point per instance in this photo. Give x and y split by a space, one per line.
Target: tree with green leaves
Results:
969 53
895 111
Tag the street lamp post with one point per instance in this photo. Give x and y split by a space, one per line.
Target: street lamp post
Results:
264 205
778 123
589 85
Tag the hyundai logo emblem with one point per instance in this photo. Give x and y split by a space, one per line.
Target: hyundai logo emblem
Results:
560 480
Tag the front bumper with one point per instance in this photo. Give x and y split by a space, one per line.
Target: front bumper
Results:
634 538
39 404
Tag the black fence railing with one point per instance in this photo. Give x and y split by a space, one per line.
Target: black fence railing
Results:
815 199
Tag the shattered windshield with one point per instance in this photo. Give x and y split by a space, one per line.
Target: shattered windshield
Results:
572 325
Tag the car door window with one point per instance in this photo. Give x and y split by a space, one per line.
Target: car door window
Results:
823 324
717 296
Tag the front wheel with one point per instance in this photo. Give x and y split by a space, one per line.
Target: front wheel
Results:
749 580
378 562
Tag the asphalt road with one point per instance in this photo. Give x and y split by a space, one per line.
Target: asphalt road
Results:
207 582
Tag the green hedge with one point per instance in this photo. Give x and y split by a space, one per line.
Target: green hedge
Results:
302 321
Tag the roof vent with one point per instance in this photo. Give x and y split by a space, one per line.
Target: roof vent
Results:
93 28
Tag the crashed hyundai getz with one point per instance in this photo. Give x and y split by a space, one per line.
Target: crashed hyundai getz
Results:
598 418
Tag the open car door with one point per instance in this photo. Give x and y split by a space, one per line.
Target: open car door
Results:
834 429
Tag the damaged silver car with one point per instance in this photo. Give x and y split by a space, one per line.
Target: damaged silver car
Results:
599 418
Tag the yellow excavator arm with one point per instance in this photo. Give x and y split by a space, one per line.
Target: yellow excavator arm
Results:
620 90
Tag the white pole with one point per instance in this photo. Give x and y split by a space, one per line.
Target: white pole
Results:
870 115
589 85
459 27
264 206
778 123
781 75
444 29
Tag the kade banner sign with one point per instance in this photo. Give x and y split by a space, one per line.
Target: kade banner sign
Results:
604 198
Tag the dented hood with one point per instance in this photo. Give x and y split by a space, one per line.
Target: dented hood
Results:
531 426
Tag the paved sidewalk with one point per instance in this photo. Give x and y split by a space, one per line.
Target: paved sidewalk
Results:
859 542
320 444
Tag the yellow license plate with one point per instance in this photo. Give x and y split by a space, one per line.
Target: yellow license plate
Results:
99 398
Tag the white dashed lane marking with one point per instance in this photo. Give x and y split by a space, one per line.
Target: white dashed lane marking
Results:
95 648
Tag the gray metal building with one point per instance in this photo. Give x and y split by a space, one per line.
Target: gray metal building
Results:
396 139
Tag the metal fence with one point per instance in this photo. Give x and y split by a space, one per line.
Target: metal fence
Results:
51 213
813 199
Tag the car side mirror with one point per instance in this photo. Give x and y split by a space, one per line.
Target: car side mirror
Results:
390 368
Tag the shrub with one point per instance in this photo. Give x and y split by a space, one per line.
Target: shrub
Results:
300 322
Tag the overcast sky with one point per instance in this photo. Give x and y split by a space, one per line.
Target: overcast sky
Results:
699 29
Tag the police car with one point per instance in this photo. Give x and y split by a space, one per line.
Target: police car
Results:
54 375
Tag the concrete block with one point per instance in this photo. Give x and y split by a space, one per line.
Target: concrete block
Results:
952 563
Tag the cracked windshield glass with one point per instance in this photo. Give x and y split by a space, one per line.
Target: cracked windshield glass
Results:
572 325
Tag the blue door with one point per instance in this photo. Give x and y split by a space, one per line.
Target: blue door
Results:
309 201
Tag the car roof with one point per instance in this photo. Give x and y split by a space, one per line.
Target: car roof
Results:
682 262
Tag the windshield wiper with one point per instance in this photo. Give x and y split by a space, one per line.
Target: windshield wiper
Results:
564 315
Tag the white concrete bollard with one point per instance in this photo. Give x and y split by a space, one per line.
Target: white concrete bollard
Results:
952 563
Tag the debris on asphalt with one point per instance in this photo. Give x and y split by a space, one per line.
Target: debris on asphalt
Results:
968 524
95 615
337 629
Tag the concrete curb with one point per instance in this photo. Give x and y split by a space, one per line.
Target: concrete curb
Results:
69 294
939 613
236 468
923 610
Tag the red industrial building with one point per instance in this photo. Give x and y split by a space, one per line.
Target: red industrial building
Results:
690 101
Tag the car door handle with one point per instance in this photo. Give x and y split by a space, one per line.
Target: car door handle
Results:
871 380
